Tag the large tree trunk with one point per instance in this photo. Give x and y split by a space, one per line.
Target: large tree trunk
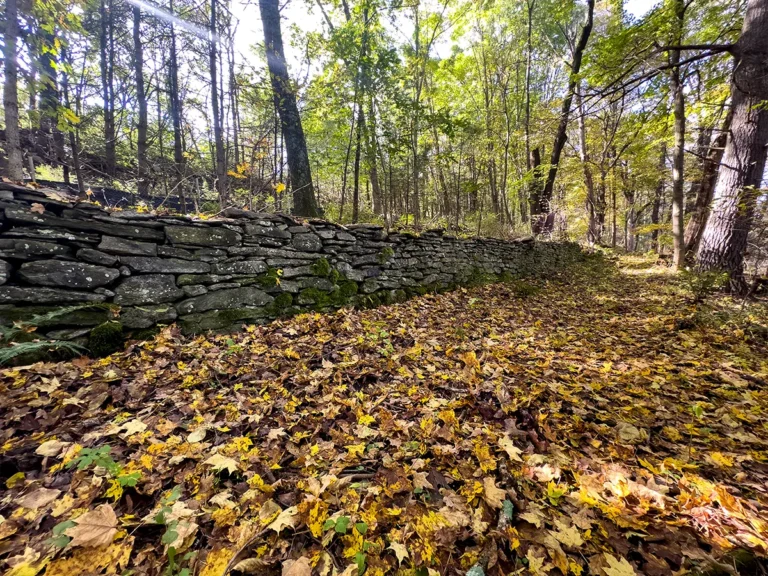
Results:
706 188
724 242
542 220
218 138
594 232
304 201
10 93
678 152
106 62
141 97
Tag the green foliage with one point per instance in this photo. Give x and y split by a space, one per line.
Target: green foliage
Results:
106 338
321 267
701 284
32 349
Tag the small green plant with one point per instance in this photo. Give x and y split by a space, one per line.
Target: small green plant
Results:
380 339
23 348
524 289
171 534
701 284
100 458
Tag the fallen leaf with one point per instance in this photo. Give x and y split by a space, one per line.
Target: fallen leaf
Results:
95 528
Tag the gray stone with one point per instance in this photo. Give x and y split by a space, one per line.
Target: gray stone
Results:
307 242
146 316
125 271
66 274
222 299
221 319
241 267
173 252
96 257
117 245
67 333
165 265
370 286
299 230
5 271
290 286
130 231
318 283
345 236
106 291
224 286
189 279
194 290
202 235
349 272
35 295
271 231
37 248
149 289
297 271
273 252
325 234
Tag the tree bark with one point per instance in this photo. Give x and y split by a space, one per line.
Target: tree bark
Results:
541 218
175 104
10 93
657 197
678 152
594 232
218 138
106 53
304 201
141 97
73 130
724 242
706 189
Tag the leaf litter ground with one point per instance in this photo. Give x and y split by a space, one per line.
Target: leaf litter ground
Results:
579 425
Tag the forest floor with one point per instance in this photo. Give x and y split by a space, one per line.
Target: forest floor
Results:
599 422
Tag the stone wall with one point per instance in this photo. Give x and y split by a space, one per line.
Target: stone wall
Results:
141 270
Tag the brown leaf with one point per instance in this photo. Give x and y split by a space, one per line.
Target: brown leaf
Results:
95 528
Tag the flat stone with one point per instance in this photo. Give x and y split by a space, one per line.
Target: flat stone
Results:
269 231
66 274
222 299
35 295
297 271
190 279
194 290
202 235
96 257
241 267
221 319
345 236
224 286
165 265
5 271
307 242
148 289
273 252
117 245
146 316
318 283
23 248
173 252
130 231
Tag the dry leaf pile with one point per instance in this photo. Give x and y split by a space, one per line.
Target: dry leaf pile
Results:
577 429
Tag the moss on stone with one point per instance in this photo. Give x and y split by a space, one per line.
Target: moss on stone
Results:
321 267
280 305
348 288
105 338
385 255
315 298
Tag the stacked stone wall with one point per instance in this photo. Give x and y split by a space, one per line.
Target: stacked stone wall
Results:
142 270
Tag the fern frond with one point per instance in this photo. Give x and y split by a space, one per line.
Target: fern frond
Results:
8 354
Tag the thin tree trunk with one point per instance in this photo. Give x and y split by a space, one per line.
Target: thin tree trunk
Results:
594 233
657 198
141 97
106 53
678 153
10 93
724 242
175 105
706 189
218 139
356 188
541 220
73 130
304 201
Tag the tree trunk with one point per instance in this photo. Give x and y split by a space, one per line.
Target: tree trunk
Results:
594 233
49 100
541 219
356 188
73 129
706 188
141 97
106 61
678 153
304 201
724 241
175 104
10 93
657 198
218 138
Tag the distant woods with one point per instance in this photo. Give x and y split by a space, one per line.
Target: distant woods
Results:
566 119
